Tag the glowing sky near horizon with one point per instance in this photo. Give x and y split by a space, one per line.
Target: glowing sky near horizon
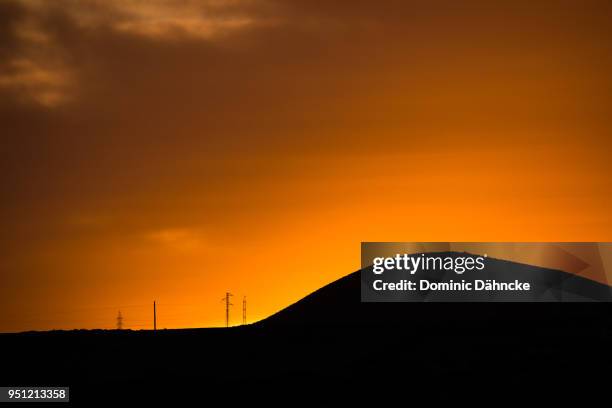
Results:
170 151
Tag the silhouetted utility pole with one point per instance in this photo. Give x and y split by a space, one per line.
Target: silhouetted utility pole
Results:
227 306
154 317
119 321
244 310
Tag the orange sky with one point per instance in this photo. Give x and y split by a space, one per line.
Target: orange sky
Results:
175 150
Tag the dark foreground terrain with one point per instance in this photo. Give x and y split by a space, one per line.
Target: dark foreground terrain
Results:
330 349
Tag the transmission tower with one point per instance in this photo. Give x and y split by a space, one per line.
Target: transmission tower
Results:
244 310
226 299
119 321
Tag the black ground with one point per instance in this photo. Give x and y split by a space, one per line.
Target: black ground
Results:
331 349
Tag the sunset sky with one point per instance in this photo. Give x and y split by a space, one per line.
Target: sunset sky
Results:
174 150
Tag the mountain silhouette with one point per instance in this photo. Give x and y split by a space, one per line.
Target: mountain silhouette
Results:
338 304
331 349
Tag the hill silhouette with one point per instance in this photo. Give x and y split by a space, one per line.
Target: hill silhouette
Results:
338 304
329 348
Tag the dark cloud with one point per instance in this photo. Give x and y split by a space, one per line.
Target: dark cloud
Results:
304 76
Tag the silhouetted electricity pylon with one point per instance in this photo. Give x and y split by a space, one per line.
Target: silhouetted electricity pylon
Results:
154 317
226 299
119 321
244 310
